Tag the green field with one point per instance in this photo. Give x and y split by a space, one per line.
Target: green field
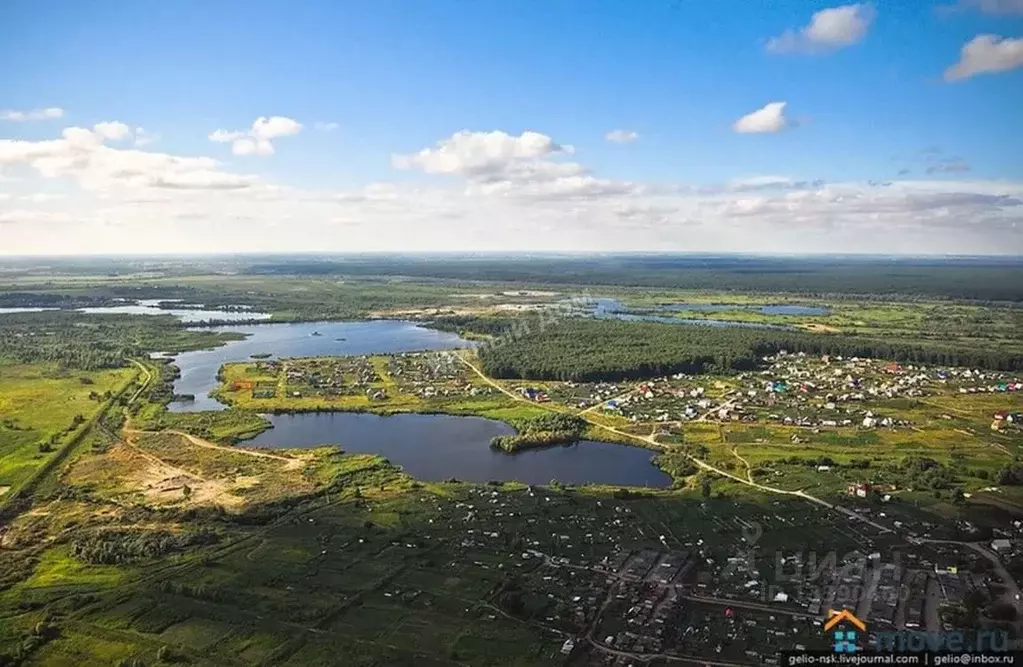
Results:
38 406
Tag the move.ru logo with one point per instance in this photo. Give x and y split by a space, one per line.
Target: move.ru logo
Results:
845 640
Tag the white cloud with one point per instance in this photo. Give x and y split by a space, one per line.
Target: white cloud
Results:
621 136
987 54
223 136
480 153
275 126
34 114
256 140
503 165
249 146
768 119
80 154
113 130
501 192
828 30
144 137
765 182
43 197
326 126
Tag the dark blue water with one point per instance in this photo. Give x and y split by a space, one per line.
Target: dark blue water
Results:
199 369
440 447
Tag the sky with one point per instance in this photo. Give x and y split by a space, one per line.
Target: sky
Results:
781 126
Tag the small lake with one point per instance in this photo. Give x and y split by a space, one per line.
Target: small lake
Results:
24 310
188 315
439 447
299 339
604 308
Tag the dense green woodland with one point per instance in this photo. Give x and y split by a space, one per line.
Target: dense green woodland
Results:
89 342
979 278
589 350
986 279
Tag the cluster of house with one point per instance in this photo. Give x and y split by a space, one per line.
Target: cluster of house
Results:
432 375
807 391
1005 420
535 394
328 377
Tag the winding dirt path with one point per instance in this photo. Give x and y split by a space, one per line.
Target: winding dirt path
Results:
289 462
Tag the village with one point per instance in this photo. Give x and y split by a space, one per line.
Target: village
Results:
426 375
793 390
615 588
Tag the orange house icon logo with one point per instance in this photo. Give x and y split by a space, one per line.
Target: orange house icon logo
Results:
845 640
836 617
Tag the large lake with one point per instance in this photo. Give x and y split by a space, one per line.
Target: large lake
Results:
440 447
301 339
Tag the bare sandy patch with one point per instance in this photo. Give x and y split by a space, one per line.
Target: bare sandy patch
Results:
819 328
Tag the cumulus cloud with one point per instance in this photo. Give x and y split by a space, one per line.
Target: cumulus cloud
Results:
768 119
48 113
987 54
81 154
828 30
499 191
257 139
621 136
113 130
481 154
500 164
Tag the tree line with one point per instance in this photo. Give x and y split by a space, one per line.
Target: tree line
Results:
590 350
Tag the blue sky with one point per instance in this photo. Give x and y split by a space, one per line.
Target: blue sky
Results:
397 77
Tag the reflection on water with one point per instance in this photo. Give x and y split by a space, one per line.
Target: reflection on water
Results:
440 447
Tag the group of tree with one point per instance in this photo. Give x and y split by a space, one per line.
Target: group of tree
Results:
83 341
581 349
1011 475
114 547
550 428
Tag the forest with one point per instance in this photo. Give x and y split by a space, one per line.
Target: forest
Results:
983 279
592 350
90 342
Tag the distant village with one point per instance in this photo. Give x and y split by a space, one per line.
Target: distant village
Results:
795 390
